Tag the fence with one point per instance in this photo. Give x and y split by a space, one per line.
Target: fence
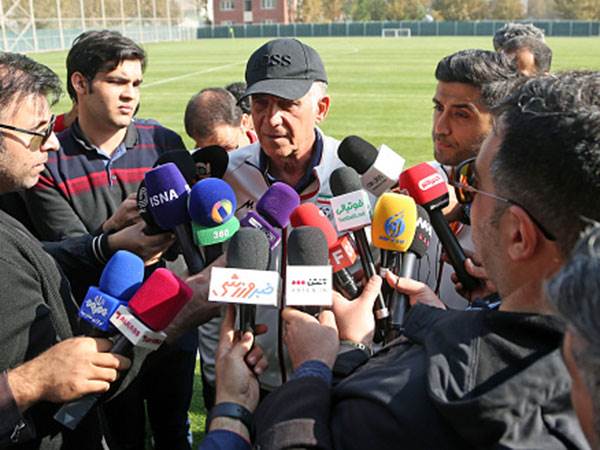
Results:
417 28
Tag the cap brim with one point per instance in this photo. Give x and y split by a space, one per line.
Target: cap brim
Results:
280 87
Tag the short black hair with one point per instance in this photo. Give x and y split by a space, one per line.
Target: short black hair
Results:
542 54
209 108
549 155
512 30
21 76
100 51
237 89
477 68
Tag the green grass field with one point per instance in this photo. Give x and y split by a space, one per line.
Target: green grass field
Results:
381 89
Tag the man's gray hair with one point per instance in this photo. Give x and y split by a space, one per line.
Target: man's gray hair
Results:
575 292
511 30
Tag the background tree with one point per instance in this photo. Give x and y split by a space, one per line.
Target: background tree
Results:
460 9
507 9
310 11
407 9
578 9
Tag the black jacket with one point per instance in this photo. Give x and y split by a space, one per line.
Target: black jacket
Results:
463 379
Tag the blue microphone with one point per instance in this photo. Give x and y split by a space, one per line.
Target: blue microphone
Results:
121 278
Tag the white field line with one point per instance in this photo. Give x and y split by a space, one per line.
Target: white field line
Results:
191 74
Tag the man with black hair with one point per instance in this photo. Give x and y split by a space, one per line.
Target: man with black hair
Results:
461 121
533 56
483 378
42 363
213 118
511 30
237 89
89 186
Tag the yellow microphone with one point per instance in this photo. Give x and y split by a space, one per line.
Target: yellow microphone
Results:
393 230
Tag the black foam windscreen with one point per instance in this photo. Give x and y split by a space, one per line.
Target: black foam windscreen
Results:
142 206
248 249
184 162
307 246
423 233
357 153
344 180
210 161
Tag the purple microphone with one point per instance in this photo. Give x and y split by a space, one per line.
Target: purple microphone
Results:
167 199
273 211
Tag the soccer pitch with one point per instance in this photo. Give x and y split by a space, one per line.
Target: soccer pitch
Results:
381 90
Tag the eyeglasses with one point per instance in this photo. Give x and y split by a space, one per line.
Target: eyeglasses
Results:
39 137
464 183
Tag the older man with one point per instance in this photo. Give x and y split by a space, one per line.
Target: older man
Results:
287 85
467 379
574 292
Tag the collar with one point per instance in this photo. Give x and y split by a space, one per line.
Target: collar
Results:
130 140
309 176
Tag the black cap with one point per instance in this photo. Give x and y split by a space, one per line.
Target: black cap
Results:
285 68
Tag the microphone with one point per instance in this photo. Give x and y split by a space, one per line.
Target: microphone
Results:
308 275
210 162
351 210
211 206
121 278
184 162
341 251
273 211
168 195
249 249
429 190
152 308
379 170
151 227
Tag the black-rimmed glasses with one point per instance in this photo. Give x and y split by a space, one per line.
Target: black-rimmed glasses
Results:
464 183
39 137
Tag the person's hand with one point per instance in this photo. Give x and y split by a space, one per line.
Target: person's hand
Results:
66 371
126 214
308 338
238 363
198 310
354 319
485 288
417 292
133 239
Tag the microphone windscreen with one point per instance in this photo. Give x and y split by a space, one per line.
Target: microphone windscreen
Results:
423 233
184 162
248 249
310 215
211 202
144 208
159 299
357 153
122 276
344 180
210 161
424 184
394 222
277 203
167 196
307 246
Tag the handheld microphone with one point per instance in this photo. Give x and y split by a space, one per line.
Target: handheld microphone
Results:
248 249
341 251
168 195
212 205
429 190
152 308
210 162
308 275
121 278
273 211
379 170
351 209
184 162
151 227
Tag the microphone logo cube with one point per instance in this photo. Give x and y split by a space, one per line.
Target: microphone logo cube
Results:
244 286
351 211
308 286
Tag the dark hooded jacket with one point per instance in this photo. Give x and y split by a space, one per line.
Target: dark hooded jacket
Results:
459 380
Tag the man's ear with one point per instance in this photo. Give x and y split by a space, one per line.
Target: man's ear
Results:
79 83
323 108
523 234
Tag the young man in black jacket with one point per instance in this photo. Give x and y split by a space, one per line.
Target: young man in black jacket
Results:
465 379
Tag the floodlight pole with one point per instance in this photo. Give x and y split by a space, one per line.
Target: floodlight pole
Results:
139 10
169 20
103 12
82 10
33 29
60 25
122 16
154 20
3 19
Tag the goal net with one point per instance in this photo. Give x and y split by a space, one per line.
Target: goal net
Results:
395 32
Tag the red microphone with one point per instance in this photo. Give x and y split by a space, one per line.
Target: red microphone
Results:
341 252
429 190
150 310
